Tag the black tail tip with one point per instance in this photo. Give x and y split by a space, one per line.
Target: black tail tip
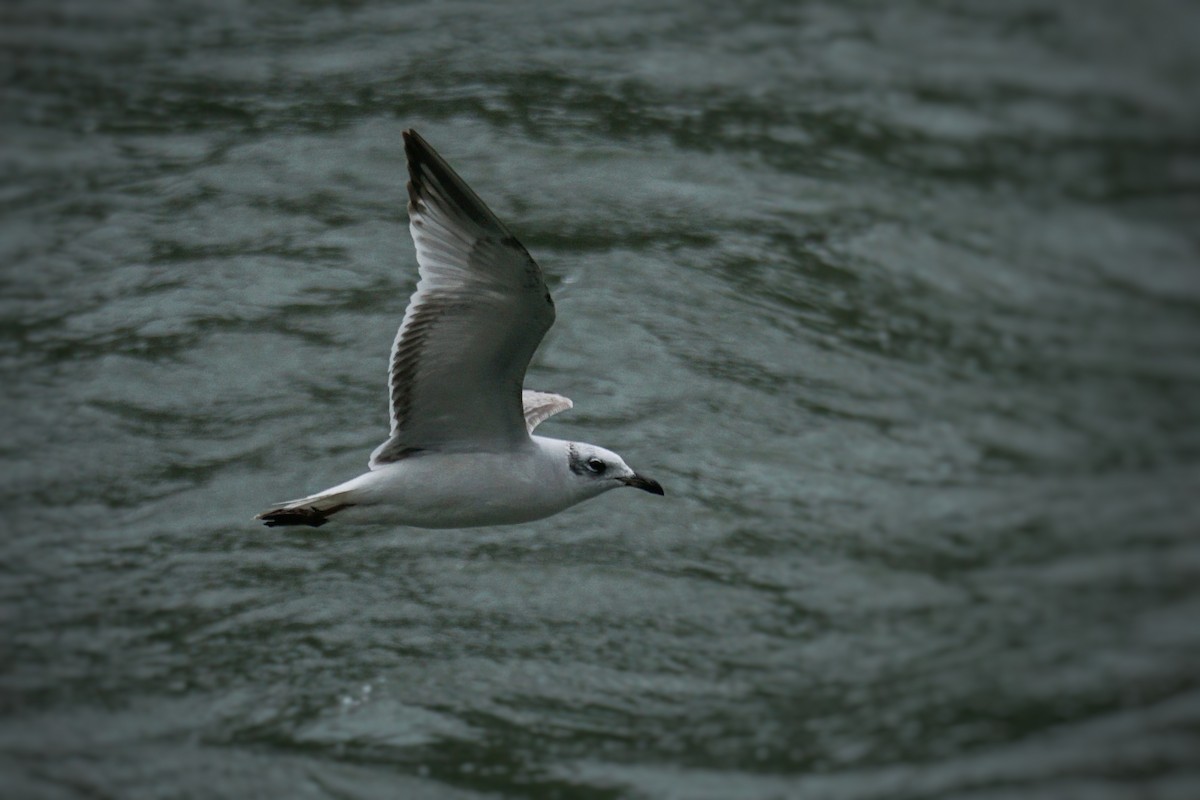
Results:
305 515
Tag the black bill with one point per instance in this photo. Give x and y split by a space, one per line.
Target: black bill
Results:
645 484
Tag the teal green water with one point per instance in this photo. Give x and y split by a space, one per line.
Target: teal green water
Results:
900 303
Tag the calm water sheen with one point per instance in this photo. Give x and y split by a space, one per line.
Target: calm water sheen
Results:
900 302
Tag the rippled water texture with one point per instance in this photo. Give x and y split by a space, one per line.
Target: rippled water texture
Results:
900 302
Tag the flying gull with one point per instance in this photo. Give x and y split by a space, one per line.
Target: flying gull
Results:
462 451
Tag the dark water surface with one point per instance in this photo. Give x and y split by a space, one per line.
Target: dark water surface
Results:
901 302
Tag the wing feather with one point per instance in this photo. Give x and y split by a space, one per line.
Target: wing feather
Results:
540 406
479 312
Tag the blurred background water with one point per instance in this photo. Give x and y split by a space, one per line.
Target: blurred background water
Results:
901 303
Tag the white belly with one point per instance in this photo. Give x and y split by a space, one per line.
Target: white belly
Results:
458 491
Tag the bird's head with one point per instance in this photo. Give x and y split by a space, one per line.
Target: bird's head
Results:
595 470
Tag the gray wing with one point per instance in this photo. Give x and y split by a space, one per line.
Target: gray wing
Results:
540 406
479 312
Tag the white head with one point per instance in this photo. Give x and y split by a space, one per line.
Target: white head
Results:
594 470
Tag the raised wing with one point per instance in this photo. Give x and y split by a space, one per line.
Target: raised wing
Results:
480 310
540 406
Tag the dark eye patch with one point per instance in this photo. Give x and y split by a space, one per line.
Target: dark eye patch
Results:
596 465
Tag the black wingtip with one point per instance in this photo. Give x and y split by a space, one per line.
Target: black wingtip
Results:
416 152
414 145
431 178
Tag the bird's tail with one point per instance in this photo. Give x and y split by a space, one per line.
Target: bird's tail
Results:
313 511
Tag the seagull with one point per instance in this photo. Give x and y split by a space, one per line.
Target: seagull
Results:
461 452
